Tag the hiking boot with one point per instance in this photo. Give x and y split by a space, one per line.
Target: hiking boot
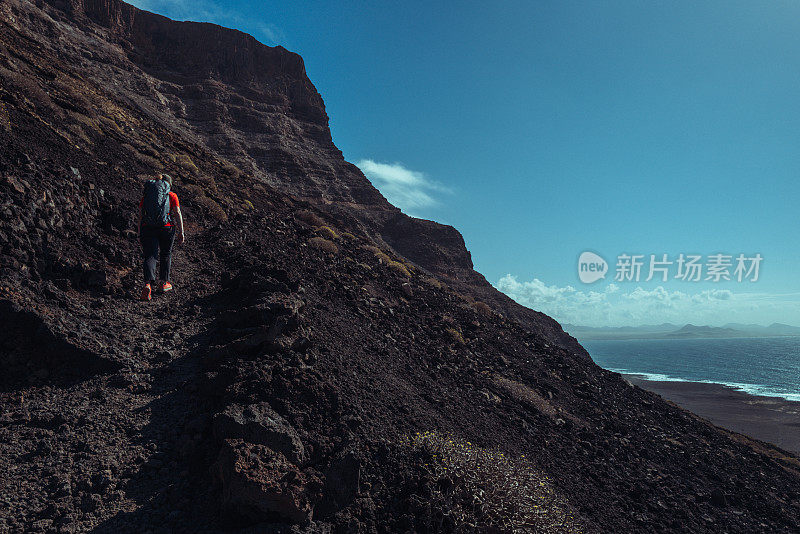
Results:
166 286
146 292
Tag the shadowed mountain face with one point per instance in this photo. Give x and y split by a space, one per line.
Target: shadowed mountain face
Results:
254 106
326 363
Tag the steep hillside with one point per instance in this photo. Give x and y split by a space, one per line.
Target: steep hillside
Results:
254 106
326 363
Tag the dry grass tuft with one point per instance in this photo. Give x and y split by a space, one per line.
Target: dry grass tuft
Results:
456 336
208 184
380 255
185 162
435 282
198 196
326 232
482 308
310 217
525 395
212 207
483 490
348 236
230 169
5 120
398 267
144 159
321 243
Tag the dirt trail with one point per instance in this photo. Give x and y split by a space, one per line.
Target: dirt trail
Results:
119 435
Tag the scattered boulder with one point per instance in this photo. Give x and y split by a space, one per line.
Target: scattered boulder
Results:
259 424
260 484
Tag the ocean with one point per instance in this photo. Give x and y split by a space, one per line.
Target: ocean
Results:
759 366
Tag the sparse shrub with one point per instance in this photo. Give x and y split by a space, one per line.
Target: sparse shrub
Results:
484 490
78 133
327 232
5 119
208 184
199 197
321 243
431 281
108 125
525 395
348 236
194 190
482 308
248 205
146 160
398 267
379 254
213 207
310 217
90 123
229 169
185 162
456 336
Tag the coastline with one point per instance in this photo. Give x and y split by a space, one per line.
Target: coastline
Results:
771 419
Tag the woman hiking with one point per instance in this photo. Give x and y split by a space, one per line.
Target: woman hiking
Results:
158 208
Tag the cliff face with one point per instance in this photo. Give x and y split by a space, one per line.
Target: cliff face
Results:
251 104
323 365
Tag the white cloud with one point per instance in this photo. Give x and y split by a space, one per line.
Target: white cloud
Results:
612 306
411 191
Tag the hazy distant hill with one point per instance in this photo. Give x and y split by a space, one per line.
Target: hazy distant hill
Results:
691 330
688 331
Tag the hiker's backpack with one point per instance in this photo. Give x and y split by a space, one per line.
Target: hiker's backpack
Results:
155 204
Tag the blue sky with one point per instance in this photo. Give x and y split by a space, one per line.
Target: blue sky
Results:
544 129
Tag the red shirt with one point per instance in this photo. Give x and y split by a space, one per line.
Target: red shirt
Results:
173 203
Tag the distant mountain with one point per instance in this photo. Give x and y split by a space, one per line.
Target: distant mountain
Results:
692 331
688 331
779 329
613 331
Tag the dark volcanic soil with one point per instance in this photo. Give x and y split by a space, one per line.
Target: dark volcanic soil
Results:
318 369
771 419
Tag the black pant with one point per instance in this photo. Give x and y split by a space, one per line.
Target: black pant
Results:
154 238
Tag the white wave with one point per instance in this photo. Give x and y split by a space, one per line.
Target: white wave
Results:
653 377
758 390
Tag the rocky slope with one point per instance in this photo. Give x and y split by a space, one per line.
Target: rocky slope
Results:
255 107
327 364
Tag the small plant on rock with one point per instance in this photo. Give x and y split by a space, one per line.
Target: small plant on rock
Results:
456 336
476 489
309 217
321 243
399 268
482 308
327 232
